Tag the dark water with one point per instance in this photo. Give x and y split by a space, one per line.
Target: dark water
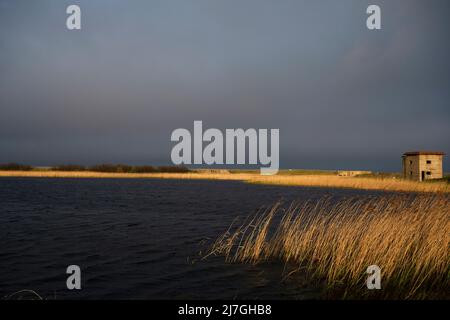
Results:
136 238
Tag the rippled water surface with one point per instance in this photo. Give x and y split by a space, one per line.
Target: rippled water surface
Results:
136 238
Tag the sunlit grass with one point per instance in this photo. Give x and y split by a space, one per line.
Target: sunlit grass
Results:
322 180
389 184
407 236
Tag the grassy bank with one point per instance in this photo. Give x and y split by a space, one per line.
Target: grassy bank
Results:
407 236
330 181
321 180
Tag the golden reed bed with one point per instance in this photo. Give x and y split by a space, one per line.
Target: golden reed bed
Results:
407 236
331 181
388 184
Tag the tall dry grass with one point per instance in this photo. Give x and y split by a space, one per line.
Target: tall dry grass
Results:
407 236
328 181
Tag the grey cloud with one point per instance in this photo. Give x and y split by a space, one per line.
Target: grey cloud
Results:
341 95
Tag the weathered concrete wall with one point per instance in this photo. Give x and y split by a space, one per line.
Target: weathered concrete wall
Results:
431 165
411 167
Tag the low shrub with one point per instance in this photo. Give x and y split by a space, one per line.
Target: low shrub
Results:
173 169
15 167
109 168
144 169
121 168
69 167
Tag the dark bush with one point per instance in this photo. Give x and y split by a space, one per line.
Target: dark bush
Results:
107 168
104 168
173 169
143 169
69 167
15 167
122 168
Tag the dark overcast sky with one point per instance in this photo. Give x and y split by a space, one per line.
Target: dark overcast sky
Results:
342 96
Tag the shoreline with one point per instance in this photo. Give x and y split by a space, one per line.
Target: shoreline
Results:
325 181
